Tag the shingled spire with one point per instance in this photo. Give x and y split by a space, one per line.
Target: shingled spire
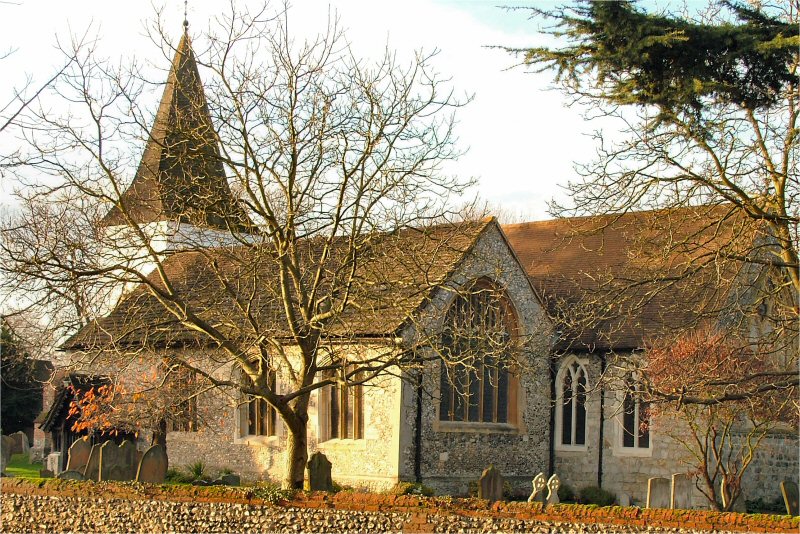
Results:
181 177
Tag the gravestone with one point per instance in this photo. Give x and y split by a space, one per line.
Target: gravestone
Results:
54 462
230 479
71 475
92 470
318 472
6 446
20 443
153 467
658 492
112 465
790 497
623 499
490 485
127 453
539 484
738 504
681 494
78 455
45 473
552 489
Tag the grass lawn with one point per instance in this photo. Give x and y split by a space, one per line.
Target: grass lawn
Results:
20 468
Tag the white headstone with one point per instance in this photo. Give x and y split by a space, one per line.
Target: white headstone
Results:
681 494
54 463
658 492
552 489
539 484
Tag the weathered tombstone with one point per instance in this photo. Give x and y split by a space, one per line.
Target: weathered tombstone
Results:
623 499
92 471
681 494
490 485
658 492
231 479
153 467
21 445
45 473
127 453
112 465
539 484
318 471
6 446
54 462
553 484
71 475
790 497
738 504
78 455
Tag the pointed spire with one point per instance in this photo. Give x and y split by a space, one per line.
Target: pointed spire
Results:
181 177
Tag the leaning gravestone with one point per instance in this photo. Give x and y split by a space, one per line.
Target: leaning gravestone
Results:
20 443
318 470
490 485
71 475
681 494
6 446
623 499
78 455
92 471
790 497
539 484
153 467
658 492
553 483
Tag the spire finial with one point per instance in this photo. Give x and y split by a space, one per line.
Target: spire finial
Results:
185 15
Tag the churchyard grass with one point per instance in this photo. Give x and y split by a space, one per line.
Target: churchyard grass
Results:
20 468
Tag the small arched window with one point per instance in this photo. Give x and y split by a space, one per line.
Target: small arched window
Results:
635 416
572 386
475 381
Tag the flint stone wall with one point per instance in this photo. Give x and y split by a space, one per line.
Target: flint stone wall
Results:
455 454
627 470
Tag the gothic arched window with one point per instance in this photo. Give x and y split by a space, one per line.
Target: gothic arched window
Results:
571 411
475 381
635 416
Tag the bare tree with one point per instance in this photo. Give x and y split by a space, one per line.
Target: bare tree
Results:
709 146
298 183
693 384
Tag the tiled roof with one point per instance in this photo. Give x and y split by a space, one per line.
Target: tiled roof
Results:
393 279
181 177
623 279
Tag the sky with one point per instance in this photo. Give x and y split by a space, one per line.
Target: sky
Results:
522 137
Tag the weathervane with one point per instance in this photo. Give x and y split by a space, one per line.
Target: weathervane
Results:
185 15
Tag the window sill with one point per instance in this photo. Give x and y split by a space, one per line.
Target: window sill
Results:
571 448
349 444
476 428
633 451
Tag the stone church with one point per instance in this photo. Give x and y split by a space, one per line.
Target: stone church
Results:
544 415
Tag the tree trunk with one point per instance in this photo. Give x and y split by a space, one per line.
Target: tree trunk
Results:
296 456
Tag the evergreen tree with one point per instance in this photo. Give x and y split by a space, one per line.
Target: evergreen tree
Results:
20 393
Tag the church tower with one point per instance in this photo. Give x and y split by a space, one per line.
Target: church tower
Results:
179 198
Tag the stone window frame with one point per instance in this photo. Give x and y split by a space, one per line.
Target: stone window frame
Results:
631 381
347 396
242 428
566 367
515 397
